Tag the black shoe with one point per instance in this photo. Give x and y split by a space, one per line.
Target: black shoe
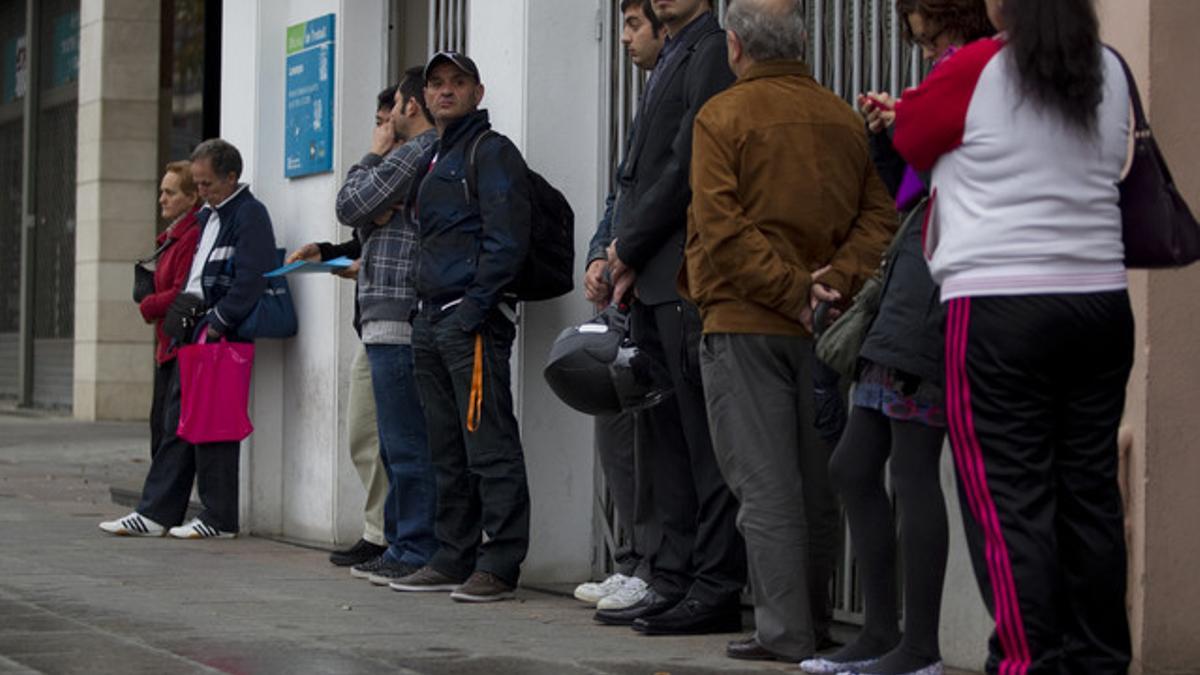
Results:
652 604
749 650
692 617
360 552
364 570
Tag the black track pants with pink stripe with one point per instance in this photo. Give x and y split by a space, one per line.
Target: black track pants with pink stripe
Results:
1035 392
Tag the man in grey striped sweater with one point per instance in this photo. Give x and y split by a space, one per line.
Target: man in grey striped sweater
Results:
370 201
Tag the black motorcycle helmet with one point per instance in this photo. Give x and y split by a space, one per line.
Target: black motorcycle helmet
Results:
597 369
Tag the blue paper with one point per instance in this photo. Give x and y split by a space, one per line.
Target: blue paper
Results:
306 267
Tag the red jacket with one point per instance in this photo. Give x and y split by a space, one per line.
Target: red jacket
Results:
170 276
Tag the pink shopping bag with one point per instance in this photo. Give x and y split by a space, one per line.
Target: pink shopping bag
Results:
214 378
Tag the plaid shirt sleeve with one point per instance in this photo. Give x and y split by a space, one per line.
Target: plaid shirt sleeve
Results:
375 183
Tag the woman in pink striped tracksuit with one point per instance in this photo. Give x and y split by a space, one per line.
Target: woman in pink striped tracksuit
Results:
1027 136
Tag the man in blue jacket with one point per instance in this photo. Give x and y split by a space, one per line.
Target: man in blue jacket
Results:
474 235
237 245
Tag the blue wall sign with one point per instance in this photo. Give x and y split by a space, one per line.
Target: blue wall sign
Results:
308 122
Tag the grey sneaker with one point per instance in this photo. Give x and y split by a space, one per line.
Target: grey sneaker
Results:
425 580
390 570
483 587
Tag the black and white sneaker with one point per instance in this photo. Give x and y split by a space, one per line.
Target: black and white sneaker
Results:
366 569
133 525
198 529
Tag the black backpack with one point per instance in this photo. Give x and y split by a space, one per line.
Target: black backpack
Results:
548 271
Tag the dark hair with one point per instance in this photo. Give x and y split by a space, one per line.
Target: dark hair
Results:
1056 49
656 24
411 86
968 19
385 99
225 158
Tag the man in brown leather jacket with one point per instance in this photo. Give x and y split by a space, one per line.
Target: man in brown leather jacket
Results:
782 186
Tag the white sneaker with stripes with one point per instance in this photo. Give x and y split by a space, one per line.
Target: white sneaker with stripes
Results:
198 529
133 525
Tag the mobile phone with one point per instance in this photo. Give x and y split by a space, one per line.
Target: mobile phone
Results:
879 102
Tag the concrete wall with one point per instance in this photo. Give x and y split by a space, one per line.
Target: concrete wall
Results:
299 482
541 93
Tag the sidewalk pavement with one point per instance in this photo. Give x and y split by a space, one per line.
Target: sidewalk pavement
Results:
75 600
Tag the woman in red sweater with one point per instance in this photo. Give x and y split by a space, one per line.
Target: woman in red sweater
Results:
178 201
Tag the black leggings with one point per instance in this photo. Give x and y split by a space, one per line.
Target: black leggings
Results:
856 469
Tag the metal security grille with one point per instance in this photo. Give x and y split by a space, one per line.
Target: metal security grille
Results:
54 231
12 31
853 46
447 25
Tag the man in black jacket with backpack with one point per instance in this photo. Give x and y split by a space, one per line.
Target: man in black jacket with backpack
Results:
473 212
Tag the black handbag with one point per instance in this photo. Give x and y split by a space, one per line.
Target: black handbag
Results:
184 314
1156 224
143 272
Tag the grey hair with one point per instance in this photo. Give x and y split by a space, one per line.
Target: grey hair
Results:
766 34
224 157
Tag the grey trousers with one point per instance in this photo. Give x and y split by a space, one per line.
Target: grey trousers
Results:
363 435
760 409
622 459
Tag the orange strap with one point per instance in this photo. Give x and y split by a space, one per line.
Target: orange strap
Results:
475 405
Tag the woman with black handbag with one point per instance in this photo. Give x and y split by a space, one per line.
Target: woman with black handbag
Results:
898 411
178 202
1028 136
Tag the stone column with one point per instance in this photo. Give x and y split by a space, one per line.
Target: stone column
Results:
1161 426
116 198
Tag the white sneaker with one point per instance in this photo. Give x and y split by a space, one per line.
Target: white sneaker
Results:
820 666
593 592
628 595
133 525
198 529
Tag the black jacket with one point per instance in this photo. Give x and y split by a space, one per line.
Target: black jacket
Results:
232 278
472 246
652 212
352 249
908 331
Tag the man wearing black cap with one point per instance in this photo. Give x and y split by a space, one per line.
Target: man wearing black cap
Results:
473 217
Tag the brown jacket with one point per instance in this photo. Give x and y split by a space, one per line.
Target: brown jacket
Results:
782 185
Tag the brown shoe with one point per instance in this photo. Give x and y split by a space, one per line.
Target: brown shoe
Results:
425 580
483 587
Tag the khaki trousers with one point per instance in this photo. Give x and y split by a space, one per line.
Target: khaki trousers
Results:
363 432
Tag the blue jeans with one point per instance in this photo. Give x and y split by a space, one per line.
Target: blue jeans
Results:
412 492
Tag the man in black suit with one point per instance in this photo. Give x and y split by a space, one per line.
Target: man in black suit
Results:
700 567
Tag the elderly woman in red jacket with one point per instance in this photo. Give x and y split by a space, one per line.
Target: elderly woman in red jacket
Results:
178 202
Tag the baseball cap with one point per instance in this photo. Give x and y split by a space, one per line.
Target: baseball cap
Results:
460 61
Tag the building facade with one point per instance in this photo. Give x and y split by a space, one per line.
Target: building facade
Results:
81 150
